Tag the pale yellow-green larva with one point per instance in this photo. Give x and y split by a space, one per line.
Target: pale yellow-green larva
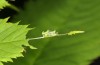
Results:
75 32
49 33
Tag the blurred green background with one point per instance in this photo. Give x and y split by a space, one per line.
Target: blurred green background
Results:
63 16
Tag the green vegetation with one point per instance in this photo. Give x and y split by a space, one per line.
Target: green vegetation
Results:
60 15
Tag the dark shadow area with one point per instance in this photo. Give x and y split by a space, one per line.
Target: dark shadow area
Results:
96 62
18 3
6 12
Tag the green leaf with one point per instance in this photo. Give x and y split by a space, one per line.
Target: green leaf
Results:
3 3
12 40
63 16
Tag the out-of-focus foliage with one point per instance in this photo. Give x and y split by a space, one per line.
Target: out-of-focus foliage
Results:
62 15
3 3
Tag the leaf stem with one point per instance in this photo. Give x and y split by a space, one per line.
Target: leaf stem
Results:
46 37
49 33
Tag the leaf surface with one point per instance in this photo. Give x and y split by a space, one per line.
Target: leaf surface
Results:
12 40
63 16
